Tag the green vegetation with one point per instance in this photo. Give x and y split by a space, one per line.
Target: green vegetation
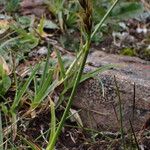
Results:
26 96
128 52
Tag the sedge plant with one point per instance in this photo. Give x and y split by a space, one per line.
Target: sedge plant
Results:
86 20
46 87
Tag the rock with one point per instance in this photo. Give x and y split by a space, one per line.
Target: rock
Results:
102 112
33 7
43 51
31 3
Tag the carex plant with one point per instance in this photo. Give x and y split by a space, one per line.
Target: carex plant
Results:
74 73
86 21
86 30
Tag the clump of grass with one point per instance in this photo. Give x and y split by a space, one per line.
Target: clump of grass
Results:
86 22
87 26
70 77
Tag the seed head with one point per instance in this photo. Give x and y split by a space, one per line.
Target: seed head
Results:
86 15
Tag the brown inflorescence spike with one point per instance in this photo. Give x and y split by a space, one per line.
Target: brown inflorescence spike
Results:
86 15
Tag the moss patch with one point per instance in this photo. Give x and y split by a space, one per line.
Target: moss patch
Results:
128 52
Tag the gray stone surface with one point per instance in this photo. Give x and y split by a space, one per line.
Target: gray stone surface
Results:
102 112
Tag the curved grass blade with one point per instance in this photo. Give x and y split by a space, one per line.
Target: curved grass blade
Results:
53 122
1 133
61 65
95 72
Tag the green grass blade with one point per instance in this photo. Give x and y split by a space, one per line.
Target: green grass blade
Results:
41 93
45 72
21 92
99 25
35 85
61 64
95 72
1 133
41 26
74 63
53 122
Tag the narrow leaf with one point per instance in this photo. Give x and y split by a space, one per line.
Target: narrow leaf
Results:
46 67
61 65
1 133
53 121
95 72
23 89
